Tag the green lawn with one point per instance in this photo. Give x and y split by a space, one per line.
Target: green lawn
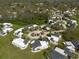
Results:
8 51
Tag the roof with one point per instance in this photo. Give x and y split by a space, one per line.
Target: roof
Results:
67 51
59 50
57 53
70 45
56 34
5 25
19 42
35 25
75 43
39 43
36 44
43 26
18 32
2 33
72 23
54 37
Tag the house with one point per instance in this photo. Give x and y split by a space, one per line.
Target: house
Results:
53 17
53 21
58 53
48 28
54 38
43 26
71 12
2 33
21 43
67 51
18 32
72 23
70 46
7 27
38 45
76 44
5 30
68 12
32 26
50 21
35 25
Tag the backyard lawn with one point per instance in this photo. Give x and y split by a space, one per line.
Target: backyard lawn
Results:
8 51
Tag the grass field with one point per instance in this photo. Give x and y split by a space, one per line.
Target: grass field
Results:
8 51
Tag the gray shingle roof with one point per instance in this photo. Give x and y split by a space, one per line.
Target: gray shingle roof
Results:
75 43
67 51
56 55
36 44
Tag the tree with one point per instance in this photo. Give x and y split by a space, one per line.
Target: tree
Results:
71 34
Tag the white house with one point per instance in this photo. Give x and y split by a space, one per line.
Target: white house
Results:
2 33
61 51
7 27
35 25
50 21
69 45
72 23
21 43
54 38
5 30
18 32
38 45
48 28
29 27
42 26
